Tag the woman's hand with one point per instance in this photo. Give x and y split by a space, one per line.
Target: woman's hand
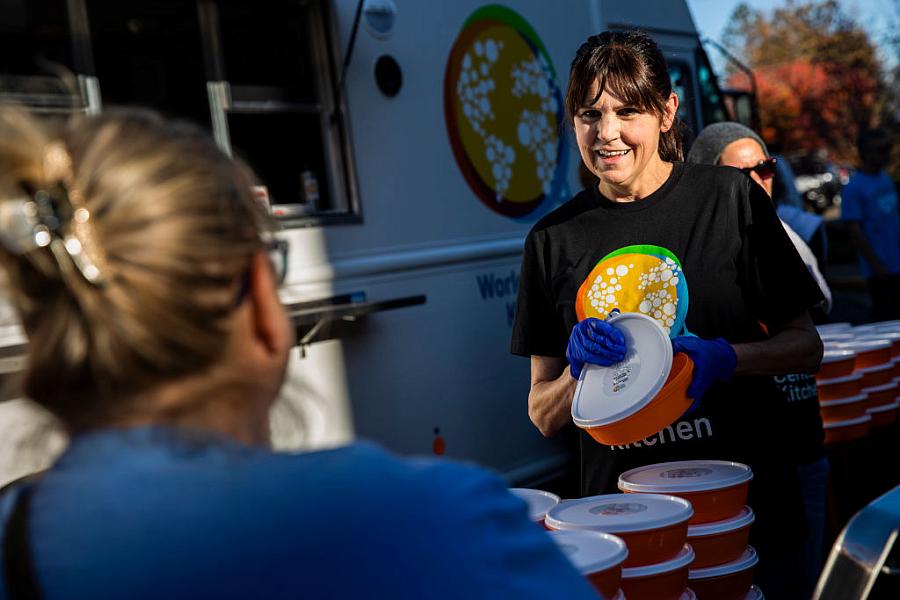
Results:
596 342
714 360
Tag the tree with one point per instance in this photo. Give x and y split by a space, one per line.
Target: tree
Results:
818 74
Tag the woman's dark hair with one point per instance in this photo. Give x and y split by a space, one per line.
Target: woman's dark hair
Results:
630 66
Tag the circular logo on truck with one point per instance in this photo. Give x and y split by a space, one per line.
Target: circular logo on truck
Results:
504 113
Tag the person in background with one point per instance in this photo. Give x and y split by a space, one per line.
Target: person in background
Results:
869 208
734 145
139 263
695 247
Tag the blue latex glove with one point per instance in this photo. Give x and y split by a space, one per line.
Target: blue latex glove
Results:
714 360
596 342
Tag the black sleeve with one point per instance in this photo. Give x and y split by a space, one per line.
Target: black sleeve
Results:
776 282
538 329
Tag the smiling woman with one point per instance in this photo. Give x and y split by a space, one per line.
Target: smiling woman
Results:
647 235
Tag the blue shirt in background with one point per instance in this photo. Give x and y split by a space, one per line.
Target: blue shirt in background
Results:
155 513
871 200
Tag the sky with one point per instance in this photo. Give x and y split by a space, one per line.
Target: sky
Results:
711 17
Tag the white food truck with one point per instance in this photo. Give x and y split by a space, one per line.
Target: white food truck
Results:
406 146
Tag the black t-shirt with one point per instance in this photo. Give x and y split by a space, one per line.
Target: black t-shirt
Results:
704 254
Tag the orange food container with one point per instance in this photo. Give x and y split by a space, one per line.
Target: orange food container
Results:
891 336
538 501
836 363
843 409
882 394
839 387
653 526
661 581
883 415
869 352
877 375
722 541
639 396
598 556
717 489
730 581
847 431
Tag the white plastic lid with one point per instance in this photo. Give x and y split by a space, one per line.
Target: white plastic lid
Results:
865 345
837 336
742 519
688 594
890 335
685 476
842 401
684 558
884 408
605 395
836 380
747 560
835 355
833 326
591 551
538 501
620 595
877 368
754 594
620 513
880 388
847 423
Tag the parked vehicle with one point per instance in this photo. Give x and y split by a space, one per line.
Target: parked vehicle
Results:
818 180
406 148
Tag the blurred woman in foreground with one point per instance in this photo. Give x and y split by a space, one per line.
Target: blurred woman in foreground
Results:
139 264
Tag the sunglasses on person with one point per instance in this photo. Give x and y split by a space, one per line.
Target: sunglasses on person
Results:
765 168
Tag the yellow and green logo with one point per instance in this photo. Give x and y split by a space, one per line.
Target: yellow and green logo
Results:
504 113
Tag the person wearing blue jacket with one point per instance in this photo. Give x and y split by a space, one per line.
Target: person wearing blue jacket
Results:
139 263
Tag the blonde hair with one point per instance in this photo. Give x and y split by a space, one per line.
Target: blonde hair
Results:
173 226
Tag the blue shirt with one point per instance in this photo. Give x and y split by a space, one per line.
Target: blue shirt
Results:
154 513
871 200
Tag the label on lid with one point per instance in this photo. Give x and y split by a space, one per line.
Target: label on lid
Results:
684 558
538 501
605 395
620 513
591 551
685 476
747 560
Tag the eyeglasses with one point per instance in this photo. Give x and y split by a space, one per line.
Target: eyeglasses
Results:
765 168
278 258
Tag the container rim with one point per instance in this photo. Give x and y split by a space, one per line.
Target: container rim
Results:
747 560
617 557
842 401
741 475
683 512
684 558
743 519
847 422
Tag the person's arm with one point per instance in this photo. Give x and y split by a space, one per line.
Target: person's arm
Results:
551 393
794 347
861 242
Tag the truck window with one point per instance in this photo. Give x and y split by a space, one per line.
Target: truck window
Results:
149 53
36 45
712 102
274 104
680 74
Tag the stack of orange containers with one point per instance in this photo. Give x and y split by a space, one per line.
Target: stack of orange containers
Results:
855 398
654 529
719 529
